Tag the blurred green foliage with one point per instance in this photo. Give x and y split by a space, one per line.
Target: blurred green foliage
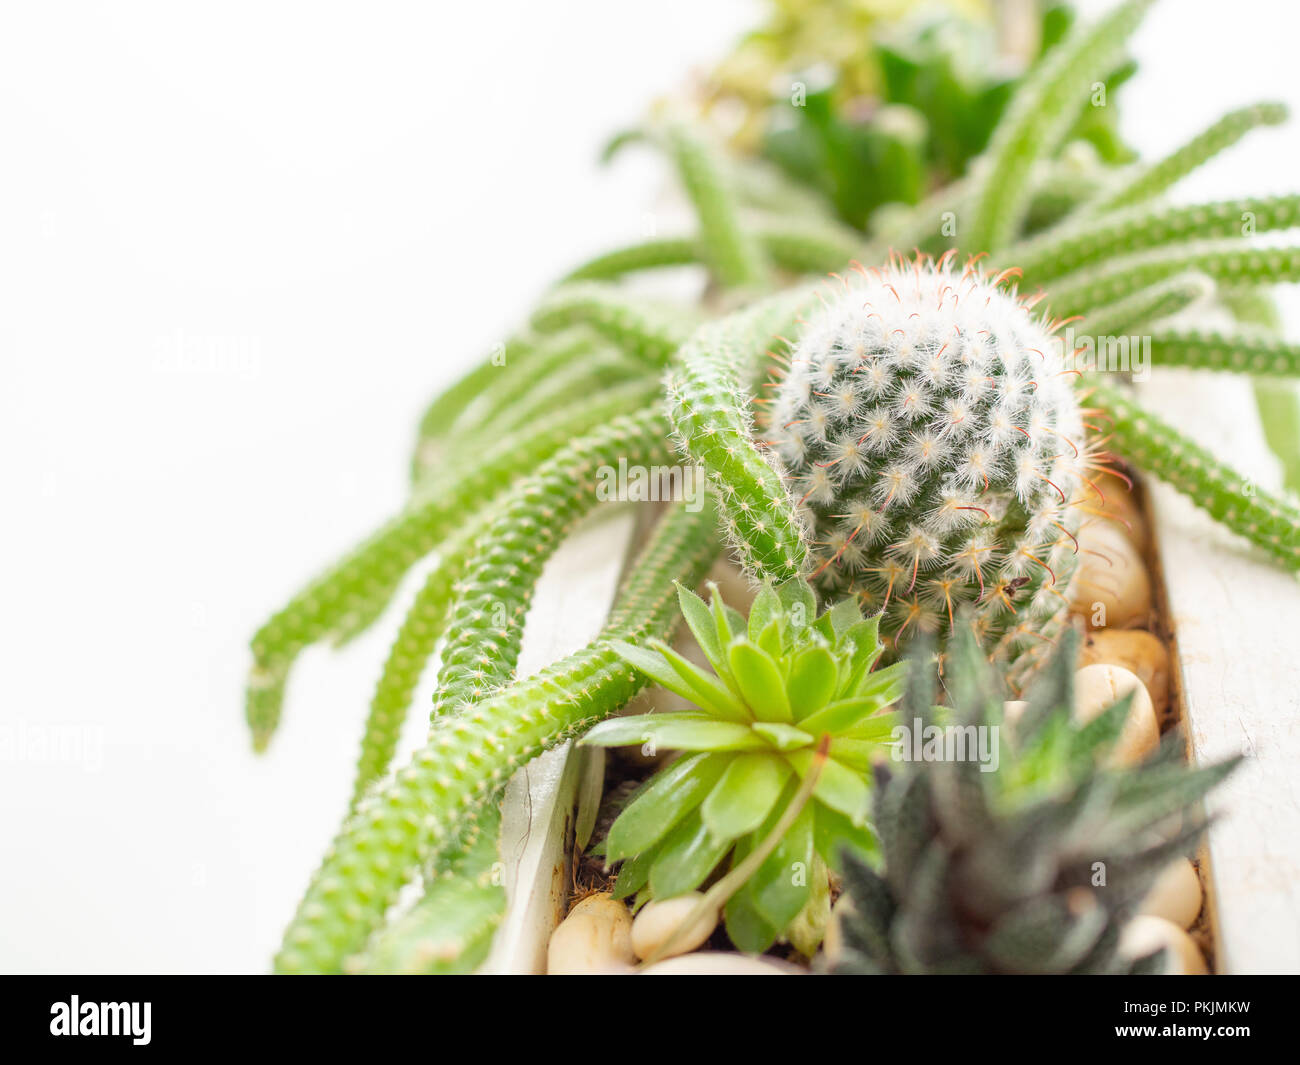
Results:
909 104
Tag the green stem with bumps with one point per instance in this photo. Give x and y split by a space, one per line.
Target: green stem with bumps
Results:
1150 181
1040 114
439 416
708 404
810 248
1147 305
468 756
1159 449
423 625
487 624
486 629
1257 353
376 568
450 929
598 370
1227 262
517 381
652 254
1137 229
632 324
733 253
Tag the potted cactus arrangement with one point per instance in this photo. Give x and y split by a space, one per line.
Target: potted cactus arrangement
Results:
881 443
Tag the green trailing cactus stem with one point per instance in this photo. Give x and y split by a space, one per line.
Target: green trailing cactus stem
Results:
910 435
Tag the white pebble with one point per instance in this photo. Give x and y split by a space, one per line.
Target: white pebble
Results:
660 919
1136 650
1145 934
1176 894
1112 588
721 963
1098 687
596 937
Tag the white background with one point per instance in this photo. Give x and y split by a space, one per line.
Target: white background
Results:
346 203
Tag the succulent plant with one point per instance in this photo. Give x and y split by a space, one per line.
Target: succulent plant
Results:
507 460
938 86
933 440
1031 868
784 682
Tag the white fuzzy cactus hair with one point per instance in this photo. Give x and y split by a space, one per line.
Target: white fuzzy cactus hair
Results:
928 430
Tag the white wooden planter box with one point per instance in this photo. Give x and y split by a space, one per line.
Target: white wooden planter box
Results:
1234 623
1234 619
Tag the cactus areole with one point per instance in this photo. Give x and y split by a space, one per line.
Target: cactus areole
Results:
929 432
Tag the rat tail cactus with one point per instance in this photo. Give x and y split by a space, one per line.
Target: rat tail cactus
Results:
928 429
923 453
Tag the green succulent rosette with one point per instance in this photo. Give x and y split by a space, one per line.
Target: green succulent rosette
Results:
790 693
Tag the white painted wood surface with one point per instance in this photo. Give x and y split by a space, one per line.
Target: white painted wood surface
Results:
572 600
1236 624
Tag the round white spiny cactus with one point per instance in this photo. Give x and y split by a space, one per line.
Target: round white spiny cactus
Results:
930 434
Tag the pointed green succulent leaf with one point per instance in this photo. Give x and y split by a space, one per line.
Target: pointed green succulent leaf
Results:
781 886
835 835
766 609
814 678
703 627
1044 936
864 638
783 737
772 640
1099 735
825 628
838 786
730 625
885 685
1053 688
634 873
706 691
632 729
686 857
746 926
682 732
1143 799
860 753
879 728
655 666
662 803
760 681
799 602
744 796
844 615
841 715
